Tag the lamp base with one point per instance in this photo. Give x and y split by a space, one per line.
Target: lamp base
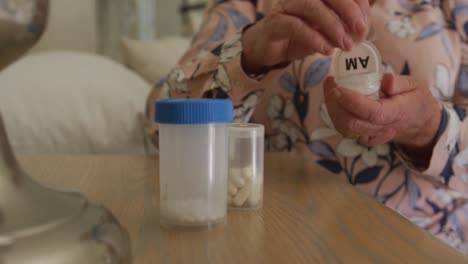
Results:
38 224
41 225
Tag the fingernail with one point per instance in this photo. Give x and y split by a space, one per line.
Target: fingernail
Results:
347 43
387 83
327 50
337 93
329 82
386 80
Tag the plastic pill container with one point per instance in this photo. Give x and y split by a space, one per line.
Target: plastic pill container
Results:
245 174
359 69
193 157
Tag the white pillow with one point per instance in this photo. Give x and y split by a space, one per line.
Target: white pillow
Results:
72 102
153 59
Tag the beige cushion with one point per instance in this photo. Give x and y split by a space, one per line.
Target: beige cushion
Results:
153 59
72 102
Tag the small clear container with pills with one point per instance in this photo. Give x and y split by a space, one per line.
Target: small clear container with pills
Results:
193 158
359 69
245 173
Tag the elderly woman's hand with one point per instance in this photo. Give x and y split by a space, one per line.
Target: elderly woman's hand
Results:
297 28
407 114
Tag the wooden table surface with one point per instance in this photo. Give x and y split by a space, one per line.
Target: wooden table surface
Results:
309 216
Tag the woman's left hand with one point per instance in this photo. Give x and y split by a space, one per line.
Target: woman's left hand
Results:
407 113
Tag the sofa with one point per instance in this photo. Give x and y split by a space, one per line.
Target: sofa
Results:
72 100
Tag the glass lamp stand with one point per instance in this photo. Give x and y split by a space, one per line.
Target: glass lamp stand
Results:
38 224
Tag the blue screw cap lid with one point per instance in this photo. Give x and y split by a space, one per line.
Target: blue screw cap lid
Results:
194 111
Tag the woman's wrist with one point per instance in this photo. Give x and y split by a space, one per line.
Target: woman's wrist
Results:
249 65
252 61
419 146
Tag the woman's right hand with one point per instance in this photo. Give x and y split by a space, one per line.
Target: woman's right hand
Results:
296 28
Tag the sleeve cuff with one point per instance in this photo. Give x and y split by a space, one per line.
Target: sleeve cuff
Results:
442 153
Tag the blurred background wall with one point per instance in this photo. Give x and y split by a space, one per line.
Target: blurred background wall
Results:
72 25
97 25
83 88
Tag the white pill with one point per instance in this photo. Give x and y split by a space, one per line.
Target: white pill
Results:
190 211
200 218
214 217
169 212
256 195
232 190
247 173
243 194
235 172
184 206
254 198
220 215
235 178
190 219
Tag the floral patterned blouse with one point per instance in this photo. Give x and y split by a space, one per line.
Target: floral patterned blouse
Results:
423 38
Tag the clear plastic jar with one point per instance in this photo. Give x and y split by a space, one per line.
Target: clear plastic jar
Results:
193 141
360 69
245 175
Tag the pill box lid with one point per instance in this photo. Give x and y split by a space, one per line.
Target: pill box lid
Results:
363 59
241 130
194 111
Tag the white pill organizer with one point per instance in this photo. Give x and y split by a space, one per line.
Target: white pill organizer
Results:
359 69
